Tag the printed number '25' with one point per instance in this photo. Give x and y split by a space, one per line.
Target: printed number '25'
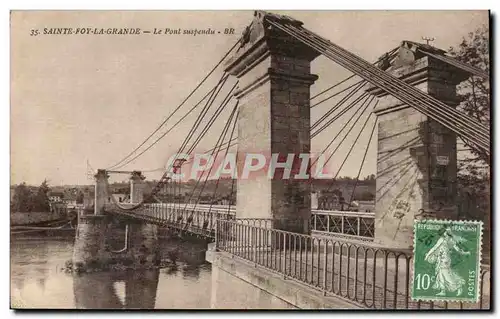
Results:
423 281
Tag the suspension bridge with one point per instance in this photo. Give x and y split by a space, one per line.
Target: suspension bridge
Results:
340 259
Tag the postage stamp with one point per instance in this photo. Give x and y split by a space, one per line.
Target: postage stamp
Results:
446 260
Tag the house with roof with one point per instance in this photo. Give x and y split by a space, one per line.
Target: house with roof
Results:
56 197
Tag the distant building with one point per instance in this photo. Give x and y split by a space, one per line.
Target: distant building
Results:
70 203
70 198
56 197
120 198
329 201
59 206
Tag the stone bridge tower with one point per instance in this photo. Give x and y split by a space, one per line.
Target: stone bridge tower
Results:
274 118
417 156
94 231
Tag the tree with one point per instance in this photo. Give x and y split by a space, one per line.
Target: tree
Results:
22 201
365 195
474 93
473 180
370 178
79 197
41 198
338 193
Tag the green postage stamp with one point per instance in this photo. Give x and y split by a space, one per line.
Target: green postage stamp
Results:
446 260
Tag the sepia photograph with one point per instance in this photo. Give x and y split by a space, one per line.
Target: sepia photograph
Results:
250 159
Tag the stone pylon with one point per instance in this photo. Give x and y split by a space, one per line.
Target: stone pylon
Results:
417 156
274 76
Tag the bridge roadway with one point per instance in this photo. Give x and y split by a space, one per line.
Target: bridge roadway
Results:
369 276
200 219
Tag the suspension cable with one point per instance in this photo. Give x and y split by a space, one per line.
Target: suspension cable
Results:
408 94
219 140
211 121
363 160
366 66
387 55
456 63
200 118
336 106
187 139
211 93
364 96
407 89
341 130
193 129
178 107
225 155
336 94
350 149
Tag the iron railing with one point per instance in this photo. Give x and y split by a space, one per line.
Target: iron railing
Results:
353 225
201 219
370 277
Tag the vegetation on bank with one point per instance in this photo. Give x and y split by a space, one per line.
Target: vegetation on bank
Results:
473 180
27 199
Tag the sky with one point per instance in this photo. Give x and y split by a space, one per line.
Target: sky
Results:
94 98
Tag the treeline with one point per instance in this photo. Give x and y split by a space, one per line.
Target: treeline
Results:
31 199
225 189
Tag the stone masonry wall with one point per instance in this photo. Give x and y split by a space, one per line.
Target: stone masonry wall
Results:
417 160
275 119
90 240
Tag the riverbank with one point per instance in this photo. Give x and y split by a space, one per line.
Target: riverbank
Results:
32 218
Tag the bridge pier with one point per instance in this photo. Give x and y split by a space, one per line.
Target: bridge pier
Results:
417 156
89 247
136 187
144 247
101 191
274 119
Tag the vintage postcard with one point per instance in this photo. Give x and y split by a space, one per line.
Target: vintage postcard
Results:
447 260
250 160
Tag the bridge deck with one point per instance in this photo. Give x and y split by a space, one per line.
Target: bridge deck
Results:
201 219
374 278
371 277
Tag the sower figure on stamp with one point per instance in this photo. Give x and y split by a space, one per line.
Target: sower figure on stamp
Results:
440 255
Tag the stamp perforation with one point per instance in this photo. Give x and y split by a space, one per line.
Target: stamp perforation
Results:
478 264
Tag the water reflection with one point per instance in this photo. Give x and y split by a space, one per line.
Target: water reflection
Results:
37 282
98 290
95 291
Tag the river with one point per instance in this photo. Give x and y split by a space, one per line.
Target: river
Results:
38 282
